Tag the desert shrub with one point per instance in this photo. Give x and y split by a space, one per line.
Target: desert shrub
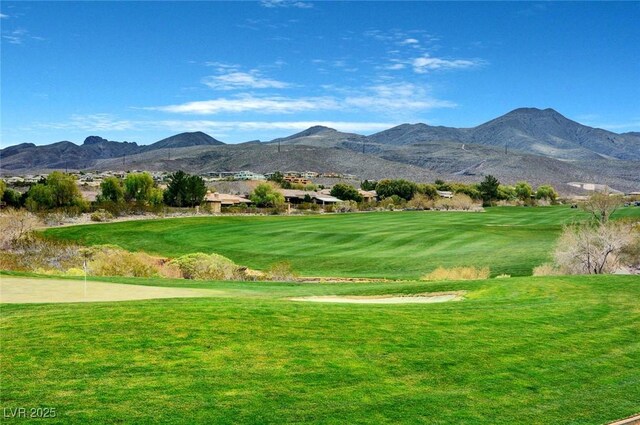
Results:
16 225
11 261
457 273
392 203
281 272
546 269
74 271
170 270
202 266
101 215
346 206
420 202
594 248
114 261
35 252
459 201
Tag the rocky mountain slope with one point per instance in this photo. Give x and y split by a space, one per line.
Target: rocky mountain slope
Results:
540 146
541 132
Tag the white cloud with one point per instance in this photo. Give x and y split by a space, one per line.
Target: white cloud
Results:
111 123
242 80
249 103
228 126
19 36
286 3
3 16
427 63
396 66
92 122
408 41
391 98
396 97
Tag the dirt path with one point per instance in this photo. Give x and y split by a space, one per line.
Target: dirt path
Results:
15 290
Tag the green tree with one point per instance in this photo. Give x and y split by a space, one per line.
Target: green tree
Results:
547 192
368 185
345 192
265 195
489 189
278 177
156 197
523 191
442 185
111 190
56 191
64 189
3 187
40 197
506 193
137 187
428 190
185 190
402 188
13 198
471 190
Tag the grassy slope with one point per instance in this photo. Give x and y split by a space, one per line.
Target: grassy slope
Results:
523 350
393 244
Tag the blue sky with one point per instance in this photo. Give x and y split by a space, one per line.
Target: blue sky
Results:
142 71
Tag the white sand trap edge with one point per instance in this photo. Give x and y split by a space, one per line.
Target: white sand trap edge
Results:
412 299
14 290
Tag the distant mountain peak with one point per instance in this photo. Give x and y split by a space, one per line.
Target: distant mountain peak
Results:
194 138
316 129
94 140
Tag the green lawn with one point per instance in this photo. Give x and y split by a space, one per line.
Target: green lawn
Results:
388 244
561 350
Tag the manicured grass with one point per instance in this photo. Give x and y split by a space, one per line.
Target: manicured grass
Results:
389 244
560 350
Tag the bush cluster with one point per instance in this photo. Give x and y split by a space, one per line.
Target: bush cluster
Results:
457 273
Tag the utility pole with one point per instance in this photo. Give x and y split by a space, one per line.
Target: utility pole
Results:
505 148
124 160
363 146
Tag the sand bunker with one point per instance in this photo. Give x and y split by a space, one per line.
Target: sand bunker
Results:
384 299
31 290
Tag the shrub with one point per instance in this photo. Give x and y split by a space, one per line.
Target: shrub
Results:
202 266
281 272
420 202
16 225
35 252
101 215
458 202
115 261
593 249
546 269
457 273
347 206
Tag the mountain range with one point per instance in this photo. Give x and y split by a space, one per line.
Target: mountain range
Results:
538 145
